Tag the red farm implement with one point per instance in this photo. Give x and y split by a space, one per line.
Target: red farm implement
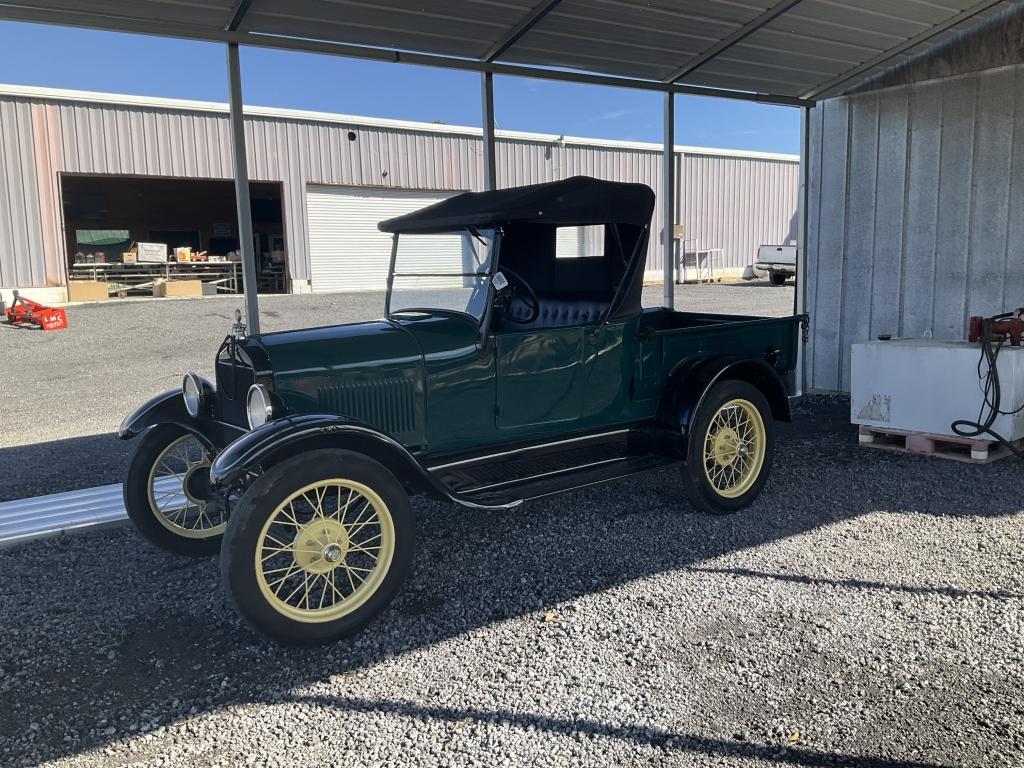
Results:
26 312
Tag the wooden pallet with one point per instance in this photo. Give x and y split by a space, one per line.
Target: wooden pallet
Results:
968 449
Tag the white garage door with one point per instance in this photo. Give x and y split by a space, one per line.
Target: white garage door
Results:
348 253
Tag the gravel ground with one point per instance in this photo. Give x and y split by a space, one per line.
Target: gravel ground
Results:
63 394
866 611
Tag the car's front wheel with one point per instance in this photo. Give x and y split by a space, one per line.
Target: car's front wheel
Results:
167 490
318 546
731 447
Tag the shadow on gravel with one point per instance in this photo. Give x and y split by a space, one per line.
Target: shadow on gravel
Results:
102 637
63 465
860 584
640 735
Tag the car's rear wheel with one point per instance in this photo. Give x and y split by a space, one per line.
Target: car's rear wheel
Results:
318 546
731 448
167 490
778 278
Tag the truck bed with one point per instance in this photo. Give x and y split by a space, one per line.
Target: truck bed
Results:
683 336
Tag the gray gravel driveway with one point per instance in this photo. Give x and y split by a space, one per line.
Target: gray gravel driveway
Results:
866 611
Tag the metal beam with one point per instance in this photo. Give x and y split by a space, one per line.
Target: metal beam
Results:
800 297
280 42
238 155
668 207
238 14
487 99
528 22
892 53
730 40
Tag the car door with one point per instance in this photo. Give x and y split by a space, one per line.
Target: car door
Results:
539 378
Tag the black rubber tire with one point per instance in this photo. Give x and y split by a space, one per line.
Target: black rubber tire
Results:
136 498
778 278
238 567
698 488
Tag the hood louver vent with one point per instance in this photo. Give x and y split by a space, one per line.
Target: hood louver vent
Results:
387 404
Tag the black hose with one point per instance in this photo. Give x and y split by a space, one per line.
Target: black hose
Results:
991 392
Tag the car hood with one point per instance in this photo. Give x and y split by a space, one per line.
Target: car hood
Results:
337 348
369 372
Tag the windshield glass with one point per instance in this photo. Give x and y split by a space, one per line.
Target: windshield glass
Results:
448 272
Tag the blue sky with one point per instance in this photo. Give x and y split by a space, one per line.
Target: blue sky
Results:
151 66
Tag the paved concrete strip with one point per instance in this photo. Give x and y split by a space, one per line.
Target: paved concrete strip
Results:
34 518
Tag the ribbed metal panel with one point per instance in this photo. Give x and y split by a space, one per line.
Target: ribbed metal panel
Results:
27 519
734 203
913 215
738 204
386 403
40 516
774 47
21 231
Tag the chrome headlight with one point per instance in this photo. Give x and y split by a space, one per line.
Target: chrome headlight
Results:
192 392
259 409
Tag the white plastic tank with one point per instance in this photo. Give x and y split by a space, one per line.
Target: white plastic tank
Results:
922 385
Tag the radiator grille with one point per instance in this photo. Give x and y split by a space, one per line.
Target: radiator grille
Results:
234 377
387 404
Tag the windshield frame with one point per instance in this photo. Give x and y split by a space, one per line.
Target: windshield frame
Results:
487 276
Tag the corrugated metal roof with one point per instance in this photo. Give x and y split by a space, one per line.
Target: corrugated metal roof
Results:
789 51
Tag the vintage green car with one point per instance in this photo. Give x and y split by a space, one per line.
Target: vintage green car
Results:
514 362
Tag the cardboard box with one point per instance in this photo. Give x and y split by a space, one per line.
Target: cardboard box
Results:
182 254
87 290
277 257
130 257
177 288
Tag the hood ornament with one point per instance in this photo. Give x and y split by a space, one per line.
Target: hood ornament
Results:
238 328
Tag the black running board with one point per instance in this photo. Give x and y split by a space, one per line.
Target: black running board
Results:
532 471
561 481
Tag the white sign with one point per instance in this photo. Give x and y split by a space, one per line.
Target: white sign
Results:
153 252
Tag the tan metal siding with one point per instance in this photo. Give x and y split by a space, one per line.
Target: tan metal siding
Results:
96 138
737 204
21 230
914 224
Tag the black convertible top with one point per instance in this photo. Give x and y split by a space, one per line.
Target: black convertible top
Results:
579 200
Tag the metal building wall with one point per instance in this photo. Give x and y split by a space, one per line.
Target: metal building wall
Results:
730 202
737 204
914 214
23 261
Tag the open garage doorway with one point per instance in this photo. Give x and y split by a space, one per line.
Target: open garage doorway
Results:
106 217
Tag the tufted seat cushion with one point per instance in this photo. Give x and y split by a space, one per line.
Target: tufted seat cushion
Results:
561 313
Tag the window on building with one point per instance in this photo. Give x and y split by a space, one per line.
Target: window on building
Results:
579 242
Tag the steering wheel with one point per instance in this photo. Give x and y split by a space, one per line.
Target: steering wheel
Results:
516 289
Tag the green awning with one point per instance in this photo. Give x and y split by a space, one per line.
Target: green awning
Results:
101 236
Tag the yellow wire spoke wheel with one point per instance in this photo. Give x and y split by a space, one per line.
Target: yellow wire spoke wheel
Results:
734 448
325 550
175 487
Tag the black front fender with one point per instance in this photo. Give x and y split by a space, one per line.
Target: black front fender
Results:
169 408
289 436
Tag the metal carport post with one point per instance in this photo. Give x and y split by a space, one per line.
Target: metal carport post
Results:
242 202
487 99
800 299
668 201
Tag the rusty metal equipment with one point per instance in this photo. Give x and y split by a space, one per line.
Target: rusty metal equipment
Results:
1001 327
